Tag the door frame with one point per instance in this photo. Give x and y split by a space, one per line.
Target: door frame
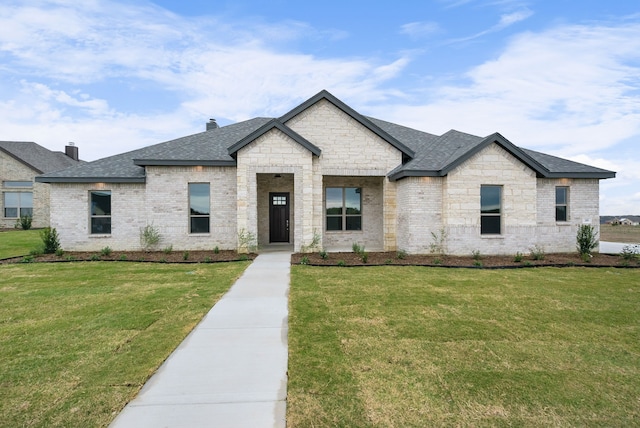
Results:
284 236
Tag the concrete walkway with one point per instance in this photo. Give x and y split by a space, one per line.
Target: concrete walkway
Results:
615 247
231 371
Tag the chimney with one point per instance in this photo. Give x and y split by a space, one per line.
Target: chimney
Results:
72 151
212 124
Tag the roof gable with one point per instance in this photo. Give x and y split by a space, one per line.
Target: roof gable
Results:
364 121
277 124
36 157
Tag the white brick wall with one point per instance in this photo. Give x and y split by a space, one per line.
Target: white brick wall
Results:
419 213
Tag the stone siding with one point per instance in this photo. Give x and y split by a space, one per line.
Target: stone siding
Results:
419 213
13 170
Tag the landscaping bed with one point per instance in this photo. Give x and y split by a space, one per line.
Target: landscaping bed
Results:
479 261
137 256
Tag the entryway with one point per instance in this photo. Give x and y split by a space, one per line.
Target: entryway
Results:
279 217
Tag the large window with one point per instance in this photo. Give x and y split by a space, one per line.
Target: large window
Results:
562 203
344 208
101 212
199 210
18 204
490 210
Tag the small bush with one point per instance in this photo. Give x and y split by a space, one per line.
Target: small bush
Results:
537 252
630 252
364 257
163 260
304 260
357 248
24 222
476 255
586 240
518 257
387 261
27 259
477 263
185 255
149 237
323 255
50 240
70 258
59 252
168 250
207 259
123 257
106 251
341 263
439 241
216 250
95 257
36 252
401 254
244 258
437 261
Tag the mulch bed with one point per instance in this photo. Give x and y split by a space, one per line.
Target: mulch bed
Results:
140 256
491 262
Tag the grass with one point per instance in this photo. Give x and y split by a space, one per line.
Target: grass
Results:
413 347
16 243
78 340
627 234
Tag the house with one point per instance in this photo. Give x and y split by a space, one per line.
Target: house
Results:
323 171
20 162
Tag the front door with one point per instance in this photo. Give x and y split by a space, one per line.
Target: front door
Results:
278 217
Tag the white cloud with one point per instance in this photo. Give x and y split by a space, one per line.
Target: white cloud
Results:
419 29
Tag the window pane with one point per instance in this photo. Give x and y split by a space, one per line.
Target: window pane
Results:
352 200
11 200
199 224
199 198
26 212
490 225
490 199
354 223
26 200
18 184
561 195
101 203
334 223
334 201
561 213
11 212
101 225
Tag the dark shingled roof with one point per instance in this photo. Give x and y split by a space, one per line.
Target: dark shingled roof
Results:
36 157
424 154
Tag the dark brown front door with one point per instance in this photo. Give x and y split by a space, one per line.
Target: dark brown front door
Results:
278 217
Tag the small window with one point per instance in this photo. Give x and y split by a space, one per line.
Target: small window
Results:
562 203
343 208
18 204
490 210
101 212
199 210
17 184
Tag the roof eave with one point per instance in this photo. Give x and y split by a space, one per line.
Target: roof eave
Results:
45 179
594 175
274 123
183 162
395 176
22 161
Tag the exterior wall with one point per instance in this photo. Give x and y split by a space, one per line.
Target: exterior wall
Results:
276 153
348 150
461 204
584 208
13 170
371 235
163 202
419 213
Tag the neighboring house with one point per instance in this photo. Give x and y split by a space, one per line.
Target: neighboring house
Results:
20 162
325 171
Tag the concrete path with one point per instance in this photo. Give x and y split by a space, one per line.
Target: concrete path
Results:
231 371
615 247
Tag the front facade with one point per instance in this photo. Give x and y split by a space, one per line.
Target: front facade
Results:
20 163
324 173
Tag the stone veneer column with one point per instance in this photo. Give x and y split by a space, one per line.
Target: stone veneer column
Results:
390 214
247 217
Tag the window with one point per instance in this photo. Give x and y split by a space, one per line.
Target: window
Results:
562 203
199 212
101 212
18 204
343 205
490 210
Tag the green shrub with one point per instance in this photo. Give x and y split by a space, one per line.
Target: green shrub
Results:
59 252
216 250
477 263
185 255
357 248
364 256
24 222
27 259
387 261
518 257
149 237
95 257
207 259
341 263
401 254
50 240
168 250
106 251
476 255
324 255
36 252
123 257
586 240
630 252
537 252
437 261
439 240
304 260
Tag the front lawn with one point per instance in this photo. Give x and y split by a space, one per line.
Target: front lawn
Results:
415 346
15 243
78 340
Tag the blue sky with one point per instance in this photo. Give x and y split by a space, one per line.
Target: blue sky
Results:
558 76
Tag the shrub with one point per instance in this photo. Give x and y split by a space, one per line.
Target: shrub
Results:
477 263
313 245
341 263
95 257
476 255
364 256
207 259
401 254
304 260
50 240
438 243
630 252
59 252
106 251
247 242
437 261
149 237
27 259
216 250
324 255
24 222
244 258
518 257
357 248
36 252
185 255
387 261
123 257
537 252
168 250
586 240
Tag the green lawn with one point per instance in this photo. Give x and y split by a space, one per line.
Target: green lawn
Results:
78 340
18 242
415 347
